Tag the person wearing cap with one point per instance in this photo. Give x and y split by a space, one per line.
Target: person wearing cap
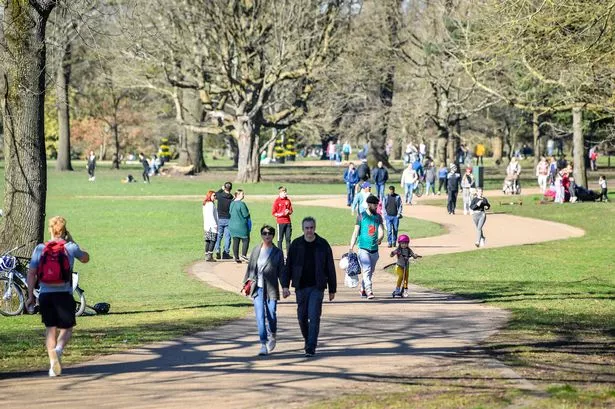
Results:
368 233
359 204
392 208
467 184
408 181
453 179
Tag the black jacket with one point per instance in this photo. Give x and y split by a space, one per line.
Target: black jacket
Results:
325 267
224 204
484 205
363 172
380 175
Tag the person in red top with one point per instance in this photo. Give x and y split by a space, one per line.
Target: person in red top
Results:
281 210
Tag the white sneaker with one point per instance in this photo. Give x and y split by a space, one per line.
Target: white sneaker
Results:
55 368
271 343
482 242
465 212
263 350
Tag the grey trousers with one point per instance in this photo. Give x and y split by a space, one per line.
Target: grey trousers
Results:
479 219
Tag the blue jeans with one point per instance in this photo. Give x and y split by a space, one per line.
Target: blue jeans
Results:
367 261
392 223
409 192
350 191
430 186
380 190
309 309
223 231
266 312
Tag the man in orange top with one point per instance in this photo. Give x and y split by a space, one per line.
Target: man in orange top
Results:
281 210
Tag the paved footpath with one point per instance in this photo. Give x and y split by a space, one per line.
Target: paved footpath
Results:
363 344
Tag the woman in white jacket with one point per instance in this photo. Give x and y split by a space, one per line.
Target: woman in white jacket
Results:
210 224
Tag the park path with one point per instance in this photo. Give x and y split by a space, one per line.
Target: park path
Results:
363 344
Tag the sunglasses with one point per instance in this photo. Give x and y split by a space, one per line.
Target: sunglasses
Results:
267 233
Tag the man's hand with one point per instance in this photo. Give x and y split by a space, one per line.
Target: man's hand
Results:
331 296
30 301
285 292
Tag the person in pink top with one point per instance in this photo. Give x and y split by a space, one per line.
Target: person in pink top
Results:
281 210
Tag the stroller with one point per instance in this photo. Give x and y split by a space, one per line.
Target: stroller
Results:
511 185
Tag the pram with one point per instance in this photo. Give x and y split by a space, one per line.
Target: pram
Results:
511 185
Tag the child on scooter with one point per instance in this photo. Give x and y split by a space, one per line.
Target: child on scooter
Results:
403 253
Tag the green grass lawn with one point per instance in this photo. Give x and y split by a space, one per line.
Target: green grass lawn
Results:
140 248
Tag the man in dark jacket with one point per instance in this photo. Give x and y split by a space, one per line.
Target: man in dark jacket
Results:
224 198
381 176
363 171
453 180
310 270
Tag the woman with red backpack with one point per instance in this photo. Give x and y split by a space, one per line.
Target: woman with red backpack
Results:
51 265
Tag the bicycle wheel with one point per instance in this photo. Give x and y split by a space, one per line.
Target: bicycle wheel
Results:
11 298
420 189
79 297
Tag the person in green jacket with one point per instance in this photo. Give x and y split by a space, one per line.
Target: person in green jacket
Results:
240 226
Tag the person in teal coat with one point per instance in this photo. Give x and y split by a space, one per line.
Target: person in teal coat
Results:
240 226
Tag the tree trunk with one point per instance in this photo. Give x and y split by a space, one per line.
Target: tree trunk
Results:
441 146
536 134
248 167
578 143
63 162
23 97
194 140
231 144
184 157
497 145
115 164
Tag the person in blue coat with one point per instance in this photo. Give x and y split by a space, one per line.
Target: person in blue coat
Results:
351 177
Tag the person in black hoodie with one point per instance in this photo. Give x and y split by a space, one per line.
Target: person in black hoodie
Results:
224 198
310 269
363 171
453 179
478 206
381 176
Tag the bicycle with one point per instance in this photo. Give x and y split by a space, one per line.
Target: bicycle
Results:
14 286
419 188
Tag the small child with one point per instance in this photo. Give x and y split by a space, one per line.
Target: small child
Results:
603 191
403 253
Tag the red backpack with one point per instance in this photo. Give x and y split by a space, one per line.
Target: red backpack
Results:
54 264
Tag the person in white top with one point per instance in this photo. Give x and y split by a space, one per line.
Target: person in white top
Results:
210 224
408 181
542 173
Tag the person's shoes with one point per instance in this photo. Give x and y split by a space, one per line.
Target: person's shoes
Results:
271 343
405 294
396 293
263 350
217 256
55 368
309 353
390 245
477 244
226 256
370 296
363 294
482 242
237 261
244 258
438 193
209 257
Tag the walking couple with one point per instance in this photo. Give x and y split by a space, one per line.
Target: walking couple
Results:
309 268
